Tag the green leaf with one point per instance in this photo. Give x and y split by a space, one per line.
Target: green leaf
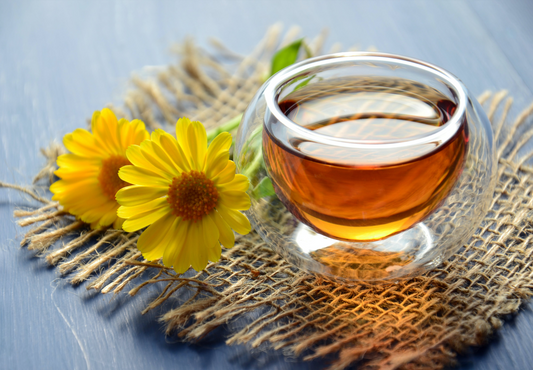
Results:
285 56
263 189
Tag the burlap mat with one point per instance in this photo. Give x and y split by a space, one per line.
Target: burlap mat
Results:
419 323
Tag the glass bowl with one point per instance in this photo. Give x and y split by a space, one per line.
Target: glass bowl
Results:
366 166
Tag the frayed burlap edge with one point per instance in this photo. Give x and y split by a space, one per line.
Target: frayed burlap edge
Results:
420 323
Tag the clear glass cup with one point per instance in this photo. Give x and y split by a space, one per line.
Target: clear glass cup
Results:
366 166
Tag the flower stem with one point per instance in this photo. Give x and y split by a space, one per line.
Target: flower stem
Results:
255 165
229 126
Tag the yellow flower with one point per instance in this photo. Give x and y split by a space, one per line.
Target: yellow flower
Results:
89 174
189 195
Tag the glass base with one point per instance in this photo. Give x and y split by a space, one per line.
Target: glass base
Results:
402 255
389 258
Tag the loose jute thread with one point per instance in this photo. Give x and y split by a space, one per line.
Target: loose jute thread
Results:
418 323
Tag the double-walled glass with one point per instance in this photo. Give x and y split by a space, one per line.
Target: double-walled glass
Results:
366 166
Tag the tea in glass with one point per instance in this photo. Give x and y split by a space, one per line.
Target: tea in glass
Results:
361 192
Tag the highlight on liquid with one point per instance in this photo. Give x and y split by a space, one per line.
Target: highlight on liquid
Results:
363 194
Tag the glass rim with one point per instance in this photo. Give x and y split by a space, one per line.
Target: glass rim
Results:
439 136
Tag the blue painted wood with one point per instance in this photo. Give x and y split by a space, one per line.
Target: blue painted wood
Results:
60 61
511 28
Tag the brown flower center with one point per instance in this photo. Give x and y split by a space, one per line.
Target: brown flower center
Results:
192 196
108 177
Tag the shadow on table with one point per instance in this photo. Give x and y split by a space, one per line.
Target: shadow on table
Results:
504 346
123 312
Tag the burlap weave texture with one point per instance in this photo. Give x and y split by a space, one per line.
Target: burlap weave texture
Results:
417 323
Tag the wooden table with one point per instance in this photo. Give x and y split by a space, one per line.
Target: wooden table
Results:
60 61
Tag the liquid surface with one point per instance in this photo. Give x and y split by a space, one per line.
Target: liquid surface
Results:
368 115
358 195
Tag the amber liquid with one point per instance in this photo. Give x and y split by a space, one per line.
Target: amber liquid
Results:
371 194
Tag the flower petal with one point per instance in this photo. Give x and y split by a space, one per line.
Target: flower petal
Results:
71 186
239 183
209 230
197 144
136 195
142 220
214 252
126 133
83 197
150 242
236 220
117 225
95 213
182 259
140 132
130 212
220 143
174 150
136 157
198 246
82 143
235 199
94 119
90 199
226 235
140 176
131 133
182 127
75 162
105 131
82 173
226 175
158 158
108 218
176 243
219 163
162 156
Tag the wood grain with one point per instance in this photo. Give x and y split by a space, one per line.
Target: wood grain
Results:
60 61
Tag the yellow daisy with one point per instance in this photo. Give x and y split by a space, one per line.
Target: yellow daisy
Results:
188 195
89 174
